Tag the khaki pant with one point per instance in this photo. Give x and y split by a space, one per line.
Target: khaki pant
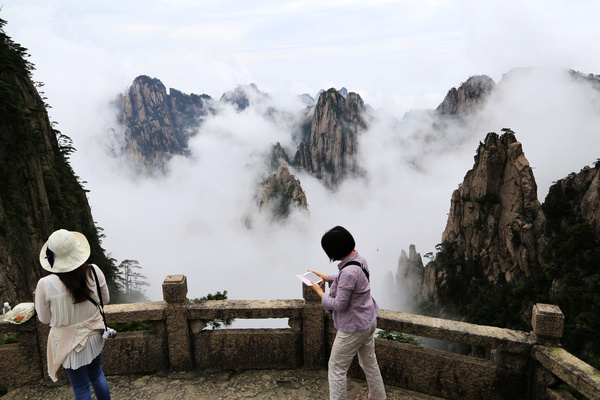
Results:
345 346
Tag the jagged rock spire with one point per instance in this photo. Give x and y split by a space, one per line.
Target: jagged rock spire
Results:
158 124
496 226
495 215
468 97
281 192
328 151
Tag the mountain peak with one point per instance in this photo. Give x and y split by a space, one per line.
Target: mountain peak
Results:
495 230
468 97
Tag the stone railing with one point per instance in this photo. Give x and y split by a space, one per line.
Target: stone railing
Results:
511 364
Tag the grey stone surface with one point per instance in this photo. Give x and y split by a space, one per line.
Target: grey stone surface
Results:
224 385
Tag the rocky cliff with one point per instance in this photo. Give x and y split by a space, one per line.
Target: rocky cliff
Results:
467 98
330 145
281 192
495 231
572 258
575 199
408 279
502 251
39 192
242 96
158 124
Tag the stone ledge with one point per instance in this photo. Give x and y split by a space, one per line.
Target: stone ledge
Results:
509 340
570 369
252 309
135 312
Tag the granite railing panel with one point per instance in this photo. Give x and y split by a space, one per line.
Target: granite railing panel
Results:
237 349
447 375
20 362
139 352
232 348
450 375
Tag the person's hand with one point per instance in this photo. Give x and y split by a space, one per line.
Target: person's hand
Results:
325 277
317 288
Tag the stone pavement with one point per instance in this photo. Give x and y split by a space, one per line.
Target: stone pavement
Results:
222 385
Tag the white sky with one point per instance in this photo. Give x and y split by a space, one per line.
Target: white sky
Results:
398 55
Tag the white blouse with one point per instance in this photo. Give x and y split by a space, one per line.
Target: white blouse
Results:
54 306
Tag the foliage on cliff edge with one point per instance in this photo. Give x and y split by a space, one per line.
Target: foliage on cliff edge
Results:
39 192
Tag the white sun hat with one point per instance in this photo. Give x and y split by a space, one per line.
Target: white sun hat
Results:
64 251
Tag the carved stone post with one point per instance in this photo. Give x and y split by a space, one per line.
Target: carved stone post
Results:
175 294
548 322
313 325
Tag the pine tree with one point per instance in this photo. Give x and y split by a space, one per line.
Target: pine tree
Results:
131 282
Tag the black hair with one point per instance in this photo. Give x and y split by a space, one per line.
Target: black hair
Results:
76 283
337 243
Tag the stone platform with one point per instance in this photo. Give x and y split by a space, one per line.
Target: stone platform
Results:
223 385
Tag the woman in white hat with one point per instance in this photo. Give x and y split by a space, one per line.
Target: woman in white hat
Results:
62 299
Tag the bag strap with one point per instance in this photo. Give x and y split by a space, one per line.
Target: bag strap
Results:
101 306
359 265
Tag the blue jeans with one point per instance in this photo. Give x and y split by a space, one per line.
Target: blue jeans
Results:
81 378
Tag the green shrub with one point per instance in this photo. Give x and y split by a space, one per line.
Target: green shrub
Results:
399 337
10 339
129 326
217 323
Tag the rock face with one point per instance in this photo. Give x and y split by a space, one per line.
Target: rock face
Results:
242 96
495 230
468 97
331 143
573 211
502 251
39 192
278 157
572 258
158 125
576 199
408 280
281 192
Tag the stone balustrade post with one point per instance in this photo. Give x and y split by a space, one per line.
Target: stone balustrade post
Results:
175 294
313 326
548 322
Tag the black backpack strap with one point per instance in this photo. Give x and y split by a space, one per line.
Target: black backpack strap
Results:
101 306
358 265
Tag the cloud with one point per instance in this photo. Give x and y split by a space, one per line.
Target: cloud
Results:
399 56
554 116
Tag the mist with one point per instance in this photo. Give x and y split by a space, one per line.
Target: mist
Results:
201 218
